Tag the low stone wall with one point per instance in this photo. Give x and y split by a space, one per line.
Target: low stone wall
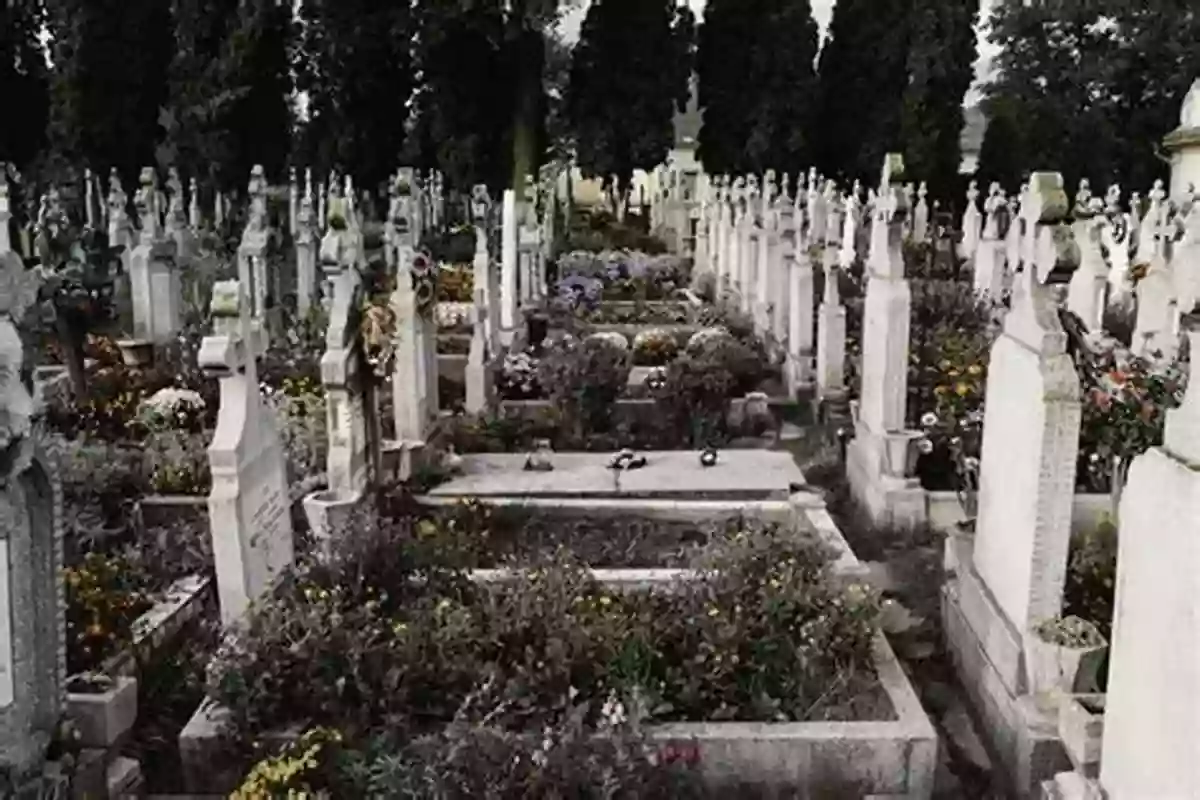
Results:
1089 510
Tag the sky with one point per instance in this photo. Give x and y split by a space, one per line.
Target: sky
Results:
822 10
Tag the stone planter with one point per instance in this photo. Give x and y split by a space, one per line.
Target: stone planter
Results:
1081 728
166 509
900 452
181 603
329 514
1056 669
101 718
136 352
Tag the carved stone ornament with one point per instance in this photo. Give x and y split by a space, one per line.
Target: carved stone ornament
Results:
424 278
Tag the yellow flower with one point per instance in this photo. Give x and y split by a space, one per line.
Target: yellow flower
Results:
974 369
961 389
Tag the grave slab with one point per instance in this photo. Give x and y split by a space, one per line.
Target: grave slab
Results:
738 474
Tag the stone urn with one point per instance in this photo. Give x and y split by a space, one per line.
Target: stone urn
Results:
136 352
1063 656
900 451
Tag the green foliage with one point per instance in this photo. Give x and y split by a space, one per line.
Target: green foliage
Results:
1096 86
1002 154
584 379
464 104
630 71
755 68
109 81
941 66
23 82
863 75
104 597
359 645
354 60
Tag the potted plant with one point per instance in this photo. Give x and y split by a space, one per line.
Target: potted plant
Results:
1063 655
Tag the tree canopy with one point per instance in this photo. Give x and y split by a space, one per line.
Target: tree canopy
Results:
1095 87
630 73
755 68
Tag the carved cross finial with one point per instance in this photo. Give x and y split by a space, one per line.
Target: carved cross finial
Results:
972 193
1112 199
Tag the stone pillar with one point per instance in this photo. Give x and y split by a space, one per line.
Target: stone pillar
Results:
249 506
306 257
508 267
1152 708
153 281
762 275
479 395
484 273
800 311
1183 145
881 460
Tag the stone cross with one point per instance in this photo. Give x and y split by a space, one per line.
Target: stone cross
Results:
145 201
249 506
32 634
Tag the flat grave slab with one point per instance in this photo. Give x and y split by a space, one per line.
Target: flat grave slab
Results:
678 474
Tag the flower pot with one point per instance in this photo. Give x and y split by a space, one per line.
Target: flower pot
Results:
1081 728
101 717
1059 669
136 352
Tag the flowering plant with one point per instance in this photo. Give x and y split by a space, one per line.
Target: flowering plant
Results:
105 594
518 379
378 327
1125 399
580 293
654 348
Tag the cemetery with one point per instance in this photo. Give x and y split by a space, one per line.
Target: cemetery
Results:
766 486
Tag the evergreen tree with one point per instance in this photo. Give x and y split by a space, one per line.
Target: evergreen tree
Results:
862 76
755 69
630 73
355 63
23 82
941 66
1002 155
464 102
109 81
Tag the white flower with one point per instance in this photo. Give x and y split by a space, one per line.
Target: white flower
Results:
929 419
925 446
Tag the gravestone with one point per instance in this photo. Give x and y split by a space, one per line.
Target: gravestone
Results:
153 279
800 304
991 252
484 272
1085 293
1013 577
414 377
32 630
306 256
254 250
349 381
881 459
1152 708
249 507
